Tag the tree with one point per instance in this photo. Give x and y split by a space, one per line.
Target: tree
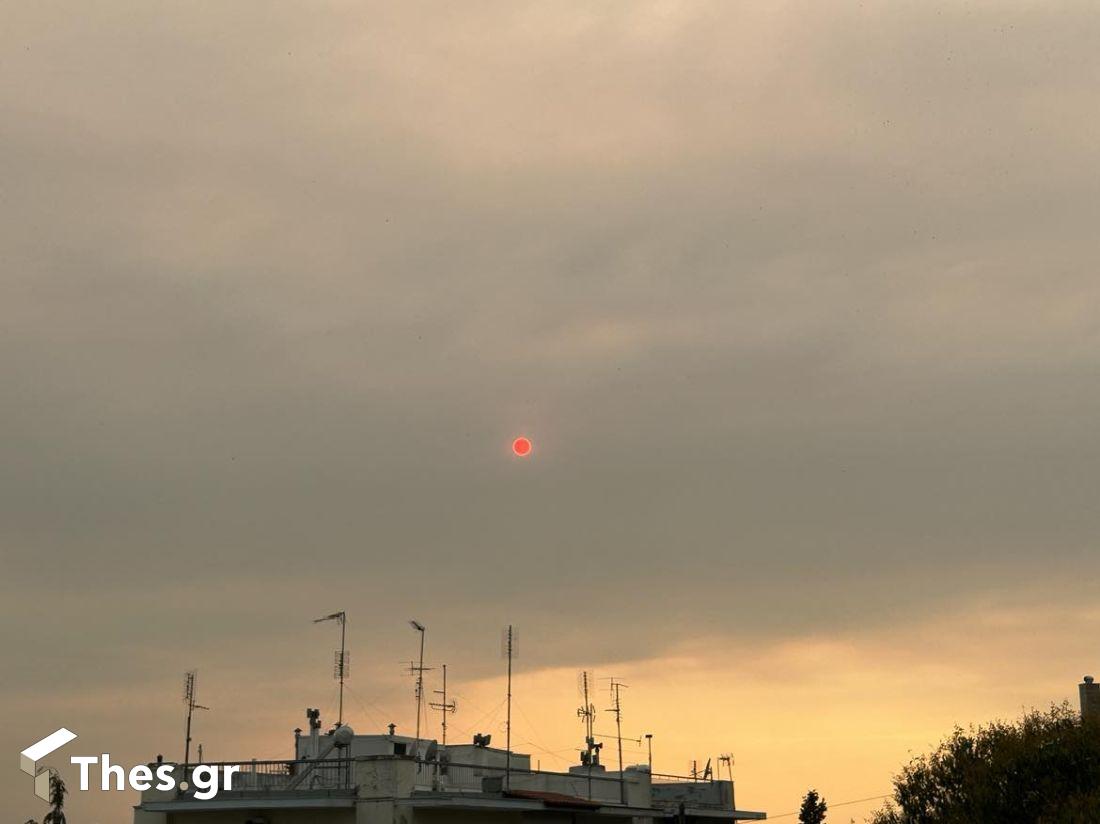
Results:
1041 769
56 815
813 809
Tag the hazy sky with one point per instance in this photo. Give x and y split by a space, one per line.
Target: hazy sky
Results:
798 303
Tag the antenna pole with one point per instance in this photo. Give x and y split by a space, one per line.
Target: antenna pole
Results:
444 706
618 710
508 765
189 699
419 687
341 669
728 759
443 722
588 733
589 741
619 736
419 683
343 637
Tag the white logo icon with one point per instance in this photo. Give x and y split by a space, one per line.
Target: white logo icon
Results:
29 758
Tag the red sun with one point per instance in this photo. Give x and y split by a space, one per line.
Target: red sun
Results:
521 447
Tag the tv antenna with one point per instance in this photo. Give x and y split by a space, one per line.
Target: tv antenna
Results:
443 705
189 679
508 649
617 708
342 666
587 713
727 759
591 755
418 671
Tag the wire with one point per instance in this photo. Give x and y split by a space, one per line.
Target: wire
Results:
495 711
838 804
454 722
550 753
534 729
371 716
466 699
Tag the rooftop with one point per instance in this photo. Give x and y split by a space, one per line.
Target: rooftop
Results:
335 777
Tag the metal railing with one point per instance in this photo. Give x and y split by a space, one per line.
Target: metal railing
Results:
696 791
442 776
338 777
668 778
280 776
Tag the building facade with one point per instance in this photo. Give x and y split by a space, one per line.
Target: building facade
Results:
344 778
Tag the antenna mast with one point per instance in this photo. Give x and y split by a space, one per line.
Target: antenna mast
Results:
340 670
443 706
727 758
591 754
189 679
509 640
618 710
419 672
586 712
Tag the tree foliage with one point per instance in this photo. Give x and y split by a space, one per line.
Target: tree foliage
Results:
813 809
58 791
1042 769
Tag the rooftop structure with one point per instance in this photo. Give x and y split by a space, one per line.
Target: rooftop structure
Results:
344 778
340 777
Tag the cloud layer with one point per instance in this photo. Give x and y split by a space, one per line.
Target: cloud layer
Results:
796 303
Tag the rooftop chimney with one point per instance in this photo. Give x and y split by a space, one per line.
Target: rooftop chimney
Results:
1090 698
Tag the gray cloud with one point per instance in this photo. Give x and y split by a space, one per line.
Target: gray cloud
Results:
797 304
